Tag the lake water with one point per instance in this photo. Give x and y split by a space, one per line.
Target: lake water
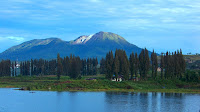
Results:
45 101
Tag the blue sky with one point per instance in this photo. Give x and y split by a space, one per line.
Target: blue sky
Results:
155 24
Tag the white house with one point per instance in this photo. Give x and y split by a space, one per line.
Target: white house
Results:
119 79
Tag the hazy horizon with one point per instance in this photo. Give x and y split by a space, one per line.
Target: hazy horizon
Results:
162 25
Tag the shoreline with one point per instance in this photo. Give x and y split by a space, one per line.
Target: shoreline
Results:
98 85
186 91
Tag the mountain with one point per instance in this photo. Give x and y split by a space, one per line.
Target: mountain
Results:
85 46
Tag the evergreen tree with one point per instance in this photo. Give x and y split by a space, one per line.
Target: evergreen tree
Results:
172 67
21 68
59 67
88 67
125 66
154 64
109 65
144 63
136 66
74 67
91 67
84 67
147 63
52 67
116 66
166 65
31 67
162 66
102 66
94 63
132 64
141 63
5 69
182 63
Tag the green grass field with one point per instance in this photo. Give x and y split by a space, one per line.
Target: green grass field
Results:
51 83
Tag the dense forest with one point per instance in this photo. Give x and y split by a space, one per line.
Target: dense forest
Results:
172 65
115 64
69 66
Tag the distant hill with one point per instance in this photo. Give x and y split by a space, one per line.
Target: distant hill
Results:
193 61
192 58
96 45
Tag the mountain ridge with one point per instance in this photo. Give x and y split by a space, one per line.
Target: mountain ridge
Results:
85 46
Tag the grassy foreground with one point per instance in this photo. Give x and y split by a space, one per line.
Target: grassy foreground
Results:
51 83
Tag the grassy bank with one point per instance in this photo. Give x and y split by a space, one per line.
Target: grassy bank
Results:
51 83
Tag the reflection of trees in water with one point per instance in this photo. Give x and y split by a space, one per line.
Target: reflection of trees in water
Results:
172 101
116 97
67 101
174 95
144 101
117 101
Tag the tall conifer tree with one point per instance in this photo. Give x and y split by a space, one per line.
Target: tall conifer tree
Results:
59 66
116 66
132 64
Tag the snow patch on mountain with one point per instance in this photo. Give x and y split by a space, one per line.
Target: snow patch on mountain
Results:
88 38
82 39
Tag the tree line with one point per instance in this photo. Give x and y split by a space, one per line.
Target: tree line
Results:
172 65
143 66
71 66
5 68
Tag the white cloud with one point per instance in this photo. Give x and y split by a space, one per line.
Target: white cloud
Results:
13 38
18 39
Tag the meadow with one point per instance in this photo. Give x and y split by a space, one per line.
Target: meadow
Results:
99 83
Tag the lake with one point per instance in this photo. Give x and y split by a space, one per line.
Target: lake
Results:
45 101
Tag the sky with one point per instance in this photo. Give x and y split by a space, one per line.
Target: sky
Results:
162 25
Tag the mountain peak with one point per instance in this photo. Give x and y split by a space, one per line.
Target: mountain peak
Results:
51 39
100 36
102 32
103 36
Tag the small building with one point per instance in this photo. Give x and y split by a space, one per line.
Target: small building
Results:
158 69
17 65
119 79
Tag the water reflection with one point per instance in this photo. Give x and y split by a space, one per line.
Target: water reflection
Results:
41 101
147 102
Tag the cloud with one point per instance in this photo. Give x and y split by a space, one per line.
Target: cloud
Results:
28 19
13 38
17 39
